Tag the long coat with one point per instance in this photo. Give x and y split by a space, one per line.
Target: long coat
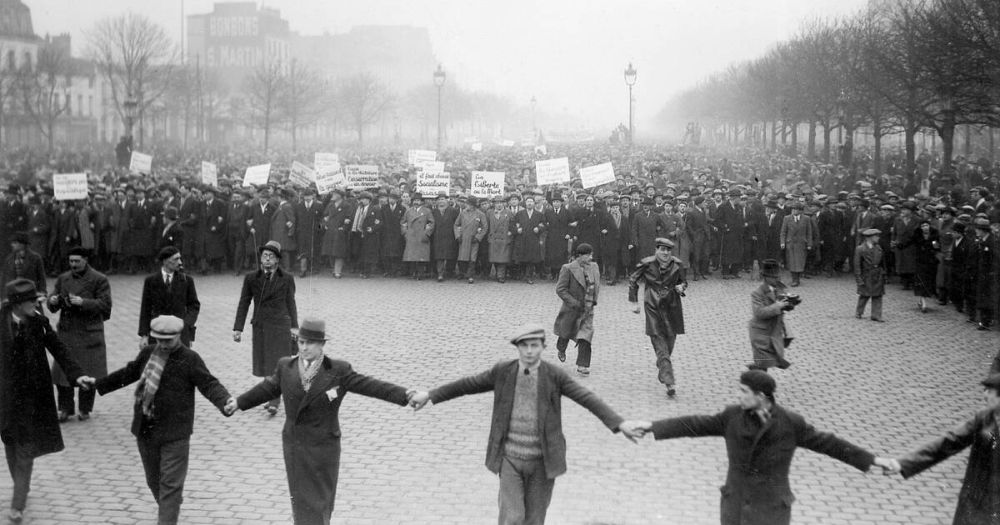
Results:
39 227
283 227
797 236
768 334
337 221
500 238
27 407
757 491
274 315
33 269
731 223
869 270
213 227
614 243
662 303
309 230
173 404
86 227
771 234
557 228
368 238
190 216
926 258
260 222
392 237
645 229
979 499
470 228
984 262
553 383
418 228
588 230
575 319
139 224
902 231
527 232
443 242
311 435
180 299
81 328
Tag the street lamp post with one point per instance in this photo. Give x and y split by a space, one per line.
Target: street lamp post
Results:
439 77
130 106
630 74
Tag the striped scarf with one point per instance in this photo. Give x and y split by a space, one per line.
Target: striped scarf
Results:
308 373
149 383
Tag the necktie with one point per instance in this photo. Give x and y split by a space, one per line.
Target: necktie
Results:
168 279
267 276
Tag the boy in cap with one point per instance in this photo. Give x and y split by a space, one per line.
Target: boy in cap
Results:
526 400
665 283
163 411
869 272
757 488
578 285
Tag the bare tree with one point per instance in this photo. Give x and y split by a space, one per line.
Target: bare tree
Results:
44 90
136 58
264 88
302 103
8 91
364 98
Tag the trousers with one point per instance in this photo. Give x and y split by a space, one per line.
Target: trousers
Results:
165 465
876 306
525 491
20 462
663 347
66 399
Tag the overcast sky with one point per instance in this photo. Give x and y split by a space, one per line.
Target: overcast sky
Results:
569 54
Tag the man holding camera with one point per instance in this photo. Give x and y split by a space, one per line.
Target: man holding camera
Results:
769 336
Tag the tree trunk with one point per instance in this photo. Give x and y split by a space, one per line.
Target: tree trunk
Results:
811 147
826 141
947 133
877 160
794 148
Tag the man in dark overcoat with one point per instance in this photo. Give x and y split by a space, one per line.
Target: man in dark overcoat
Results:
237 232
259 218
761 437
337 224
731 223
189 215
392 237
169 291
29 426
526 446
366 230
665 282
984 262
614 243
645 228
769 336
557 219
578 285
309 234
314 386
526 228
869 272
163 409
23 262
214 216
444 245
772 231
272 291
697 227
82 296
140 223
39 227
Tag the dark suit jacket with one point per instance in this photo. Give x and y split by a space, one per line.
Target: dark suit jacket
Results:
173 406
757 491
553 383
33 269
180 300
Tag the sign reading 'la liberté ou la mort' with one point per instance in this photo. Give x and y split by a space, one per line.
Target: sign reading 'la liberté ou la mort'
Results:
69 186
487 184
552 171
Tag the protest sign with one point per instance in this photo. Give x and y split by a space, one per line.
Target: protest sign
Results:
487 184
141 163
361 176
301 175
552 171
433 182
416 156
430 167
507 143
326 182
326 162
257 175
209 174
69 186
477 146
596 175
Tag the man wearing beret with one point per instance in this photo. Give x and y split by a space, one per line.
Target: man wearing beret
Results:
82 296
163 410
761 437
665 282
29 426
526 446
978 501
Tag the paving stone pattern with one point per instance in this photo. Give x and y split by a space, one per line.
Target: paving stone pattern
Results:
887 387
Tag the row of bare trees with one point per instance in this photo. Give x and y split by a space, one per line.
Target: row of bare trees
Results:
896 67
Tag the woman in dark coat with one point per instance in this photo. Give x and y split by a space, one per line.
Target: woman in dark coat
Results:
926 247
274 314
337 221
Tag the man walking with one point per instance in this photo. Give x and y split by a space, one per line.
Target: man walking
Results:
869 272
163 414
169 292
578 285
797 236
769 336
665 283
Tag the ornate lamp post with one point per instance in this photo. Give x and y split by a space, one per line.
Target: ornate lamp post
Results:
630 74
439 77
131 107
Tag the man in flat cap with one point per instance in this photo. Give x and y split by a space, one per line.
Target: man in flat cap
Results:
578 286
82 296
978 503
29 425
526 447
163 410
869 273
761 438
665 281
984 263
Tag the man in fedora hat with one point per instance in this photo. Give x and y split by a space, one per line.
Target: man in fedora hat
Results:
272 291
365 230
418 227
82 296
869 272
29 425
769 335
163 409
470 229
314 386
526 447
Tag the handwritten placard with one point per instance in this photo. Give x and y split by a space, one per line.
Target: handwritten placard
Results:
257 175
69 186
430 167
361 176
487 183
432 183
301 175
477 146
552 171
416 156
592 176
209 174
326 162
141 163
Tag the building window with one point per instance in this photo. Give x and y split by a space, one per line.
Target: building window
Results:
69 108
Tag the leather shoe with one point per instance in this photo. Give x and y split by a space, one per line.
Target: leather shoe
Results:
562 356
83 416
583 371
671 392
63 416
15 516
271 409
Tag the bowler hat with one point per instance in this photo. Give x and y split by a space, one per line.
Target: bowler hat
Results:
312 329
165 327
20 290
417 196
271 246
981 224
528 331
770 268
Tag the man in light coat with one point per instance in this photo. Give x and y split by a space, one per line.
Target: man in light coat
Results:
578 285
869 272
769 335
797 237
470 228
418 227
500 237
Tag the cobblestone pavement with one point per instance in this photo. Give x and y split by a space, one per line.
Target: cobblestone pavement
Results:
887 387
